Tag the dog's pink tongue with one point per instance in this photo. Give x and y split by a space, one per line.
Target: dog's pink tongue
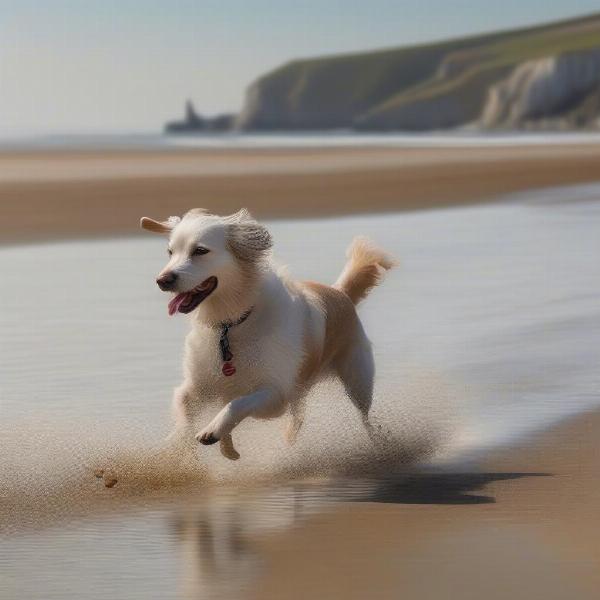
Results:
177 302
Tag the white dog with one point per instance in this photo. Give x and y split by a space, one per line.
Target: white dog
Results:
260 340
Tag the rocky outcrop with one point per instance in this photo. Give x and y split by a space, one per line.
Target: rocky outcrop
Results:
195 123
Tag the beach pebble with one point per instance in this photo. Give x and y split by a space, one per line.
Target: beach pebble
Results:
110 481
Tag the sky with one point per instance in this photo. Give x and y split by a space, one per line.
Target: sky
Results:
107 66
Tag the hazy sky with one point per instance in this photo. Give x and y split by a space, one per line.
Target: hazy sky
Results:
109 65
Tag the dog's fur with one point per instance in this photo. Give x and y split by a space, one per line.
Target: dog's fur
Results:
296 333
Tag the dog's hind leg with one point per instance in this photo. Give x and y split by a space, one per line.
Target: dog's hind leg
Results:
356 369
297 410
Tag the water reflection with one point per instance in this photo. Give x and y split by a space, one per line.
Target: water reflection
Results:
219 537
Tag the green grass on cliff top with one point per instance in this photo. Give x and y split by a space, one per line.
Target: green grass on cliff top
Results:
379 80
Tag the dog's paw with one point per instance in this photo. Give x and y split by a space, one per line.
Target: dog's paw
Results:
230 453
227 448
207 438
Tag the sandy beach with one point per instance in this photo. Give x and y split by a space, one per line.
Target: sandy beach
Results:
516 522
48 195
521 522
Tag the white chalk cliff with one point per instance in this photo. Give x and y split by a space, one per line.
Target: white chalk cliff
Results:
539 90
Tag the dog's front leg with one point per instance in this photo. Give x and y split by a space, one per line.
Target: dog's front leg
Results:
227 448
263 404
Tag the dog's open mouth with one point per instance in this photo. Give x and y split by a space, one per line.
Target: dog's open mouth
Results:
186 302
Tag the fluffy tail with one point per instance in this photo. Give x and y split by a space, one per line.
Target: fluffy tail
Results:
364 270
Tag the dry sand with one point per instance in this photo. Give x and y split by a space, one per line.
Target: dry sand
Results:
45 195
524 524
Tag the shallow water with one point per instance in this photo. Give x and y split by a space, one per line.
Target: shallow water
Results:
489 329
457 138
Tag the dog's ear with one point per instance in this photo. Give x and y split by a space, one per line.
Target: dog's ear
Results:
159 226
248 240
196 212
240 216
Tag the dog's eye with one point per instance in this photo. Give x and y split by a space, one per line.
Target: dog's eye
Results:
199 251
169 251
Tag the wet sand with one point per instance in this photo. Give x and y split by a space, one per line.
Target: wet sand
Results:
522 523
49 195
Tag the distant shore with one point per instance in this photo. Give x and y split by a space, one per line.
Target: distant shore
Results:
68 194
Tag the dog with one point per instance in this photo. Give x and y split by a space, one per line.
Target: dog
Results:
260 340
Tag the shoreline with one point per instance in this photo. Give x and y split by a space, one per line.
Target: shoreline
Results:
65 194
528 507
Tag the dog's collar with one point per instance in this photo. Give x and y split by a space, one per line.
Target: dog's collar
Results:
227 325
226 355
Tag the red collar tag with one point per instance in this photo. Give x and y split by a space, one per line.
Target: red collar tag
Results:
228 369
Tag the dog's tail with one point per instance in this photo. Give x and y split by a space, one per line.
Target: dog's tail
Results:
364 270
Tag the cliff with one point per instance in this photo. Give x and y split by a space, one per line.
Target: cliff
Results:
511 79
539 77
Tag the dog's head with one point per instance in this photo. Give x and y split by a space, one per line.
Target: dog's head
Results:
211 256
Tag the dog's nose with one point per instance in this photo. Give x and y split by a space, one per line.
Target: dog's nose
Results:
167 281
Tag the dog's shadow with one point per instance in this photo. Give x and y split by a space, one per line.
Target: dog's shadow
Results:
439 488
